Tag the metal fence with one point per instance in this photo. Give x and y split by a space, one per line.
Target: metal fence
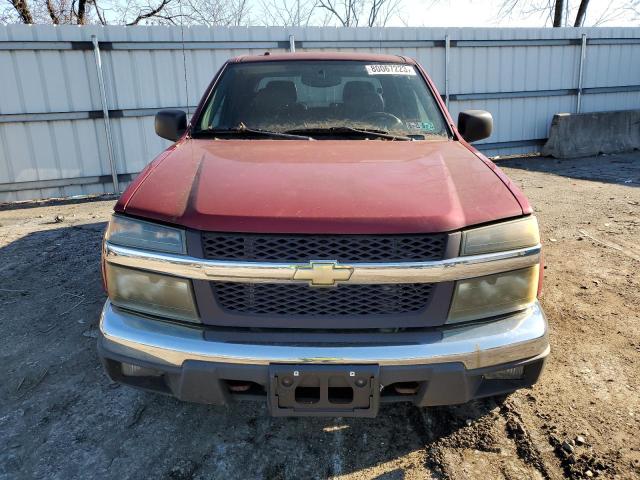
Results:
77 103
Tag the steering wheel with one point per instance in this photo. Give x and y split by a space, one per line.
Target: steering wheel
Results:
384 119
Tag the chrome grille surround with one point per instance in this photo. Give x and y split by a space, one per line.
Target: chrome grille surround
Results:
449 269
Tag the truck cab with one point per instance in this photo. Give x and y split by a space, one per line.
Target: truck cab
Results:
321 236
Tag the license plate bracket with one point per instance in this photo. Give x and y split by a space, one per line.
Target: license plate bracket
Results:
324 390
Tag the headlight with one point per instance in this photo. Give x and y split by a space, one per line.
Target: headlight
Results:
493 295
511 235
146 292
130 232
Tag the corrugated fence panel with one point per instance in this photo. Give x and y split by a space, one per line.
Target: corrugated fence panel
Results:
52 133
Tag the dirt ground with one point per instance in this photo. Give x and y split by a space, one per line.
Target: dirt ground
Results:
60 417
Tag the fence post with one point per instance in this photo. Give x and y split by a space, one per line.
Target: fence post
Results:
447 50
105 113
583 55
292 43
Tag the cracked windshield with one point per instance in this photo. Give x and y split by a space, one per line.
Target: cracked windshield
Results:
322 100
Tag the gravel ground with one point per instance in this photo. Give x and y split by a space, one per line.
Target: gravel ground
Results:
60 417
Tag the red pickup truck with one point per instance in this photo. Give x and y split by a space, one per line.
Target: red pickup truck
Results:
322 236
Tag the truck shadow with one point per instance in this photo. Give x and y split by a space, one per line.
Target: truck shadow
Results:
622 169
61 416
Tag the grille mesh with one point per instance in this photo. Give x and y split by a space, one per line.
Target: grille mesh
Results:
343 248
294 299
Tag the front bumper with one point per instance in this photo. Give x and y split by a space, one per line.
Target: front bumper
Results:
449 367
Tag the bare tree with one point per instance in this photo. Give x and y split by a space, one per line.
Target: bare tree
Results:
558 12
615 11
23 10
82 12
287 13
553 11
346 12
381 11
216 12
241 12
52 12
528 8
136 12
582 13
148 12
349 12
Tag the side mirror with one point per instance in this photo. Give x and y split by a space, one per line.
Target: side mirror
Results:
475 125
171 124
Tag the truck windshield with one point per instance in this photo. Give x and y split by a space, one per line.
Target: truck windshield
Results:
322 99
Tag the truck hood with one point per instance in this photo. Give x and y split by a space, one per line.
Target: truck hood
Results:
325 186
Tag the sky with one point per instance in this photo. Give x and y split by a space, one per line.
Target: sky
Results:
483 13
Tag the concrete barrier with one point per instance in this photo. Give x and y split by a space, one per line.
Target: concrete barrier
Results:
580 135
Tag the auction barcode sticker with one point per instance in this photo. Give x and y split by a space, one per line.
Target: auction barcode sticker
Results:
391 69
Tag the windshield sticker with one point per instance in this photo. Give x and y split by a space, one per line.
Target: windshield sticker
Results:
392 69
424 126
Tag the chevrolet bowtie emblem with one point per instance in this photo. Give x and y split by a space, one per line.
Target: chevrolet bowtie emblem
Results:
323 274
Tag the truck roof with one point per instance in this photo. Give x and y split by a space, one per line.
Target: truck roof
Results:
367 57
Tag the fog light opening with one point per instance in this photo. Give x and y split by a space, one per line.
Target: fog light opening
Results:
515 373
406 388
244 388
236 386
130 370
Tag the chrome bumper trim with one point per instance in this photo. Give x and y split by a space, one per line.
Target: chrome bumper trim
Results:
362 273
517 337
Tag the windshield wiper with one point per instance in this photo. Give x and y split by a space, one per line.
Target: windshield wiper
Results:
343 130
242 129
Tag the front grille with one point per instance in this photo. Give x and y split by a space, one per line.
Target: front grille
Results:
300 299
343 248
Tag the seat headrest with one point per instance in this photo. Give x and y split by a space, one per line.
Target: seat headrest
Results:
284 91
356 88
360 97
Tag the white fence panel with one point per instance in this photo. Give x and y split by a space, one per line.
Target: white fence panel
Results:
52 135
